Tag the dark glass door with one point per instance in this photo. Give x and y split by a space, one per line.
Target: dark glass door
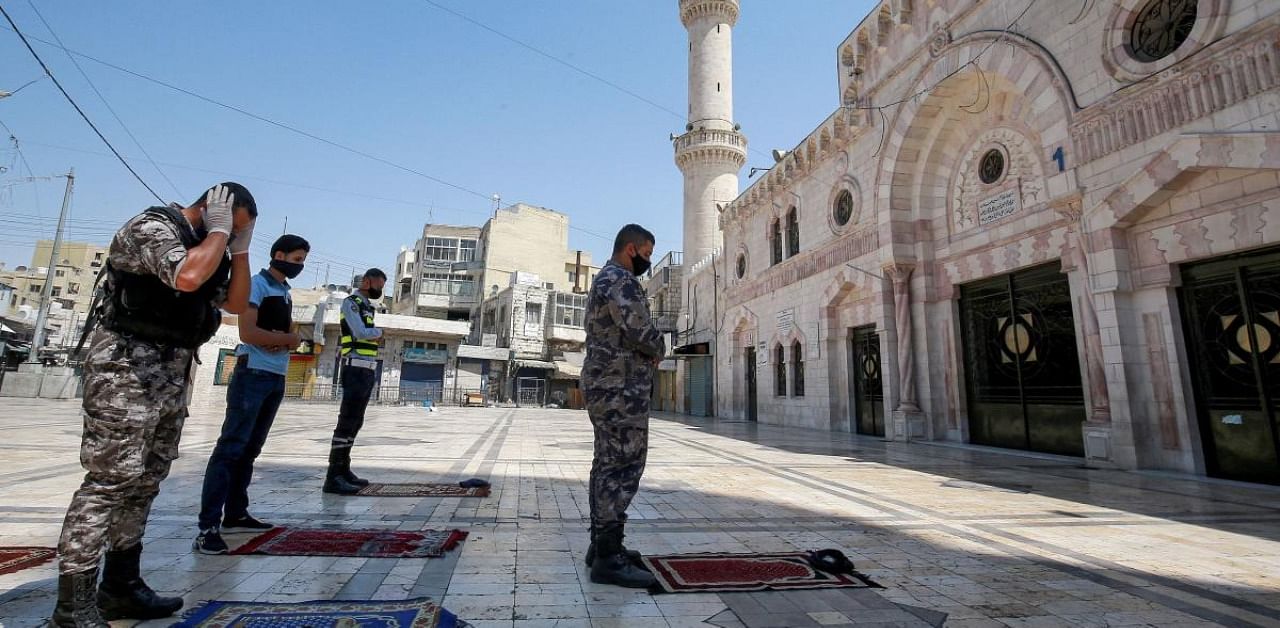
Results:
867 383
1231 310
1023 371
750 366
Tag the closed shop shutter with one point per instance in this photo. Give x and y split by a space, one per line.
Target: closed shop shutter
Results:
698 380
295 380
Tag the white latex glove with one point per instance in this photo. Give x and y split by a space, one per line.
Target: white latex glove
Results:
241 238
217 209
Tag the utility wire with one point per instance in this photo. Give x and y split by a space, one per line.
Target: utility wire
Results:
974 61
291 129
554 58
70 56
76 106
250 177
27 84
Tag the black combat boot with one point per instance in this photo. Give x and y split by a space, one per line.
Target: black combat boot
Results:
335 480
632 555
350 475
123 594
78 602
611 566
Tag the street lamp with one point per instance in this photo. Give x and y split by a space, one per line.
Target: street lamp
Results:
4 94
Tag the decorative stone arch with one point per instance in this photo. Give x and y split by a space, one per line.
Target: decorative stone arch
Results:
743 320
743 332
1161 178
845 283
796 334
1017 72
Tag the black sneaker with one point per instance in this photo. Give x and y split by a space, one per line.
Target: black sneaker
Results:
246 524
210 542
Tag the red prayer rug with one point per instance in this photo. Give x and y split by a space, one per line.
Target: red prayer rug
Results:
18 558
415 613
680 573
355 543
422 490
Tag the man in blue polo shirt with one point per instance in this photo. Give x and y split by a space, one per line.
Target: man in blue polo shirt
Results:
254 396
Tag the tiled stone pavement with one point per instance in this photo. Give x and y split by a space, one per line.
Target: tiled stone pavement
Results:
989 538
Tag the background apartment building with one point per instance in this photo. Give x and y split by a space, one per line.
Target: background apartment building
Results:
439 276
74 276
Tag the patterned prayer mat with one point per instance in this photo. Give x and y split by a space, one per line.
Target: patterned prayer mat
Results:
416 613
680 573
18 558
358 543
422 490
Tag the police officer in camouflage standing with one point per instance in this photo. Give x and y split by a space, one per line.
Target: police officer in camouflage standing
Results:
623 351
168 271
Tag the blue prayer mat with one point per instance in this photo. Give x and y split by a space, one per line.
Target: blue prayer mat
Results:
415 613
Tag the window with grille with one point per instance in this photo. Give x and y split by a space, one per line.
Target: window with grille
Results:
793 232
445 284
842 211
467 251
797 370
1160 28
775 242
570 309
532 318
779 371
442 249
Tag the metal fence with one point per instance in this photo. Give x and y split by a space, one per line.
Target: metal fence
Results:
390 395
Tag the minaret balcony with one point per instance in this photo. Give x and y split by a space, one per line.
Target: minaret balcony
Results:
711 144
692 9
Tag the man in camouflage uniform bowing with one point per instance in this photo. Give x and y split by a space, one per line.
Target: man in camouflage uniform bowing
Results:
168 271
623 350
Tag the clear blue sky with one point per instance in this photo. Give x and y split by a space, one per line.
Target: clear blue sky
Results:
405 81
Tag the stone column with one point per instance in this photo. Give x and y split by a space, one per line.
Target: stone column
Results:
1097 427
908 420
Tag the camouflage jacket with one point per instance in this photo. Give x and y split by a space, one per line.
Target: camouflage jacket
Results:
149 245
622 341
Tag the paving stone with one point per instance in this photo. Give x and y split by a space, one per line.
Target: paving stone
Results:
1075 547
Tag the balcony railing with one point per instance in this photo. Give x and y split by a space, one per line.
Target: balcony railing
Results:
665 321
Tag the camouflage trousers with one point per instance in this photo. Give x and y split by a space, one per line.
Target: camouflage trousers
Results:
135 397
621 448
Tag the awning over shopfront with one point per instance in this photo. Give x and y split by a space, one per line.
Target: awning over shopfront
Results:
695 349
566 370
535 364
476 352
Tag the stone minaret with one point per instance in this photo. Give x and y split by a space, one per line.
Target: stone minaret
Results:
711 151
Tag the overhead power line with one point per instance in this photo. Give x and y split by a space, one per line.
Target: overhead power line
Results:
289 128
76 106
88 80
543 53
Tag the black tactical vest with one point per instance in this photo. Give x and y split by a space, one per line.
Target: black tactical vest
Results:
143 307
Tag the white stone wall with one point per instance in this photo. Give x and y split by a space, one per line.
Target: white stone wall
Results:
1133 175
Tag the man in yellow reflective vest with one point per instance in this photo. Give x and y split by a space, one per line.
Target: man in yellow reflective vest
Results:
359 347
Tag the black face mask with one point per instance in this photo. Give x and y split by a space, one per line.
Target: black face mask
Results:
288 269
374 293
639 265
